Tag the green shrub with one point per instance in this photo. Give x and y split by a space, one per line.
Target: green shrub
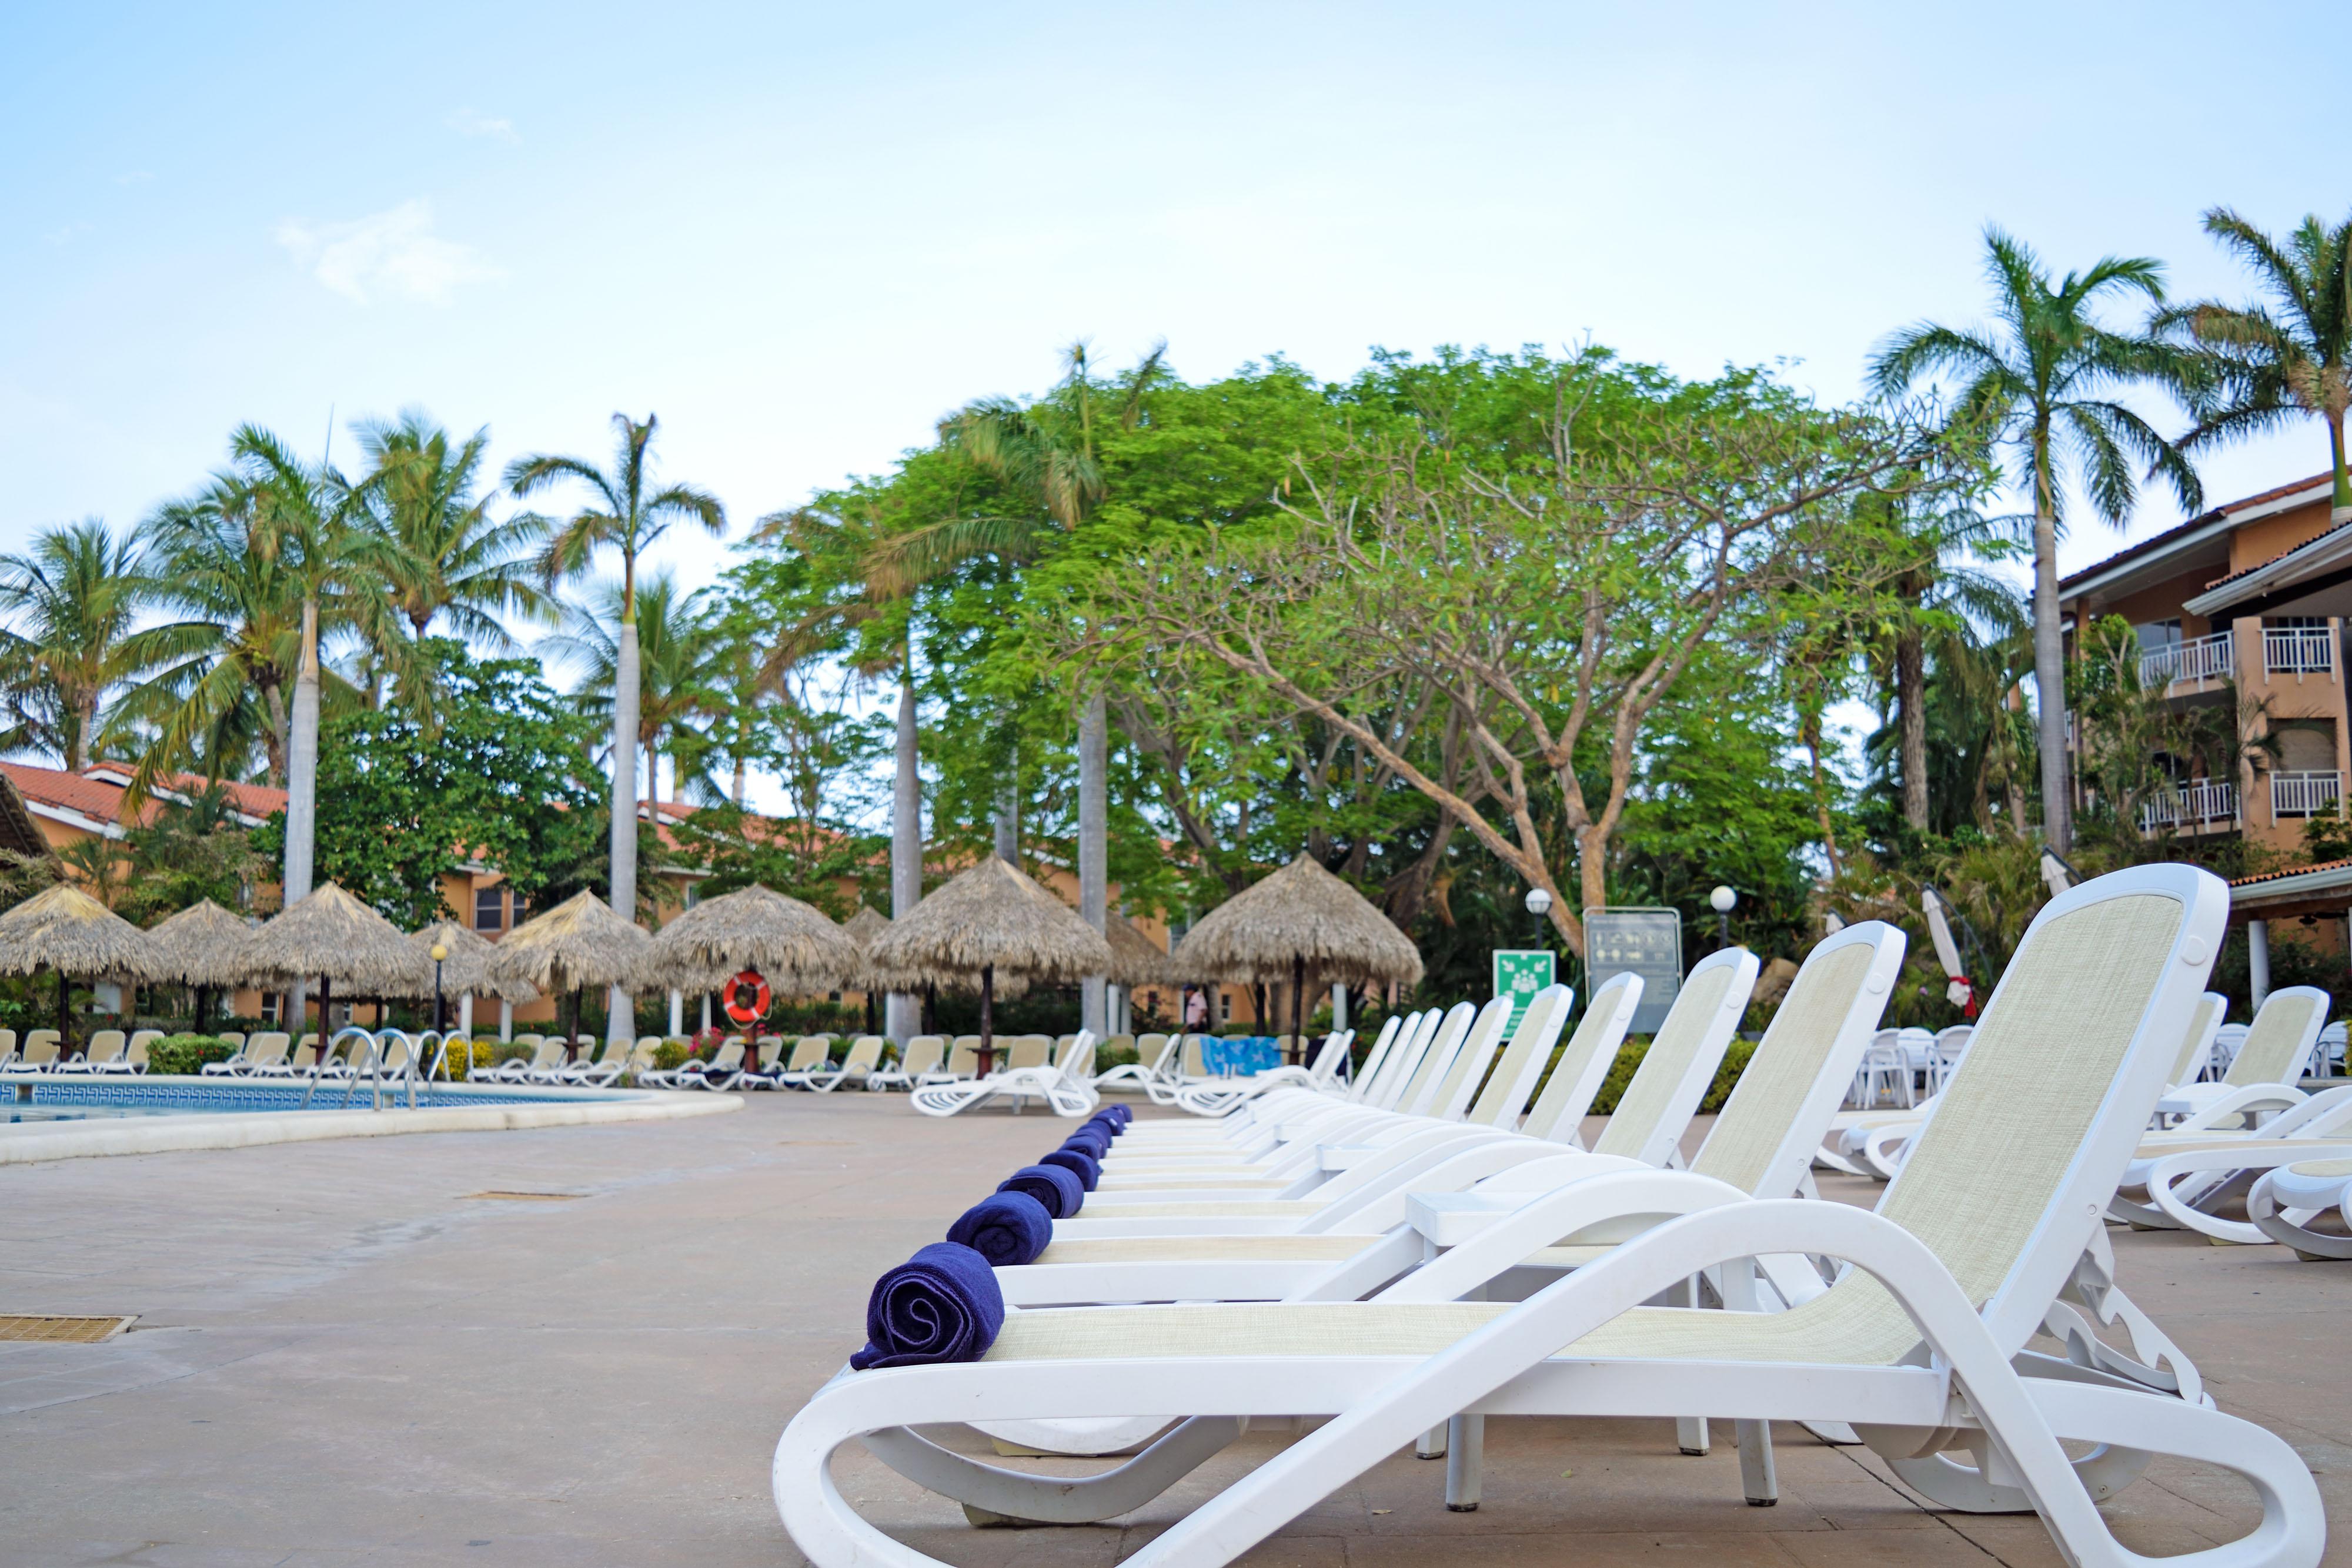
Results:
1629 1058
186 1055
670 1054
1109 1056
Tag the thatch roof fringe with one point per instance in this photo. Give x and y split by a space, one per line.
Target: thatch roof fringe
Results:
329 933
579 943
991 916
202 946
64 929
1301 911
793 945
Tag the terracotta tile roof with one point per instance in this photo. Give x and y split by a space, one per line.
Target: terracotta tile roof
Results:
2291 871
97 791
2291 550
2157 542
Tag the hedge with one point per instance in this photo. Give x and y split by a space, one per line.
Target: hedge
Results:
186 1055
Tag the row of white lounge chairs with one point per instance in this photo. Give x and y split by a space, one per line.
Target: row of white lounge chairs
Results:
1393 1261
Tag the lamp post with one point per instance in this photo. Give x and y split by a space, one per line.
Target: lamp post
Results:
440 951
1721 901
1538 906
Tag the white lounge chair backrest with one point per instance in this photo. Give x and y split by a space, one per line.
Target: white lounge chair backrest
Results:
728 1058
1468 1070
1194 1062
1782 1104
1522 1063
2009 1180
922 1054
2197 1044
104 1046
235 1036
1583 1065
1393 1068
8 1045
1152 1052
550 1053
864 1055
964 1060
1453 1034
40 1047
810 1052
1325 1069
1065 1051
1382 1043
1658 1104
134 1054
267 1048
1405 1061
2278 1043
1028 1050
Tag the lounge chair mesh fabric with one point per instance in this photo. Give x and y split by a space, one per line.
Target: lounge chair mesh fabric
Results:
2200 1038
1568 1070
1456 1070
1983 1172
1788 1060
1677 1041
1424 1070
2273 1048
1488 1109
1191 1249
2322 1170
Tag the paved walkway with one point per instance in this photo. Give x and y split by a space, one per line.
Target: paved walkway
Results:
344 1356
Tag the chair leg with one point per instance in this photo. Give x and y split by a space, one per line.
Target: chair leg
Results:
1690 1431
1757 1478
1465 1456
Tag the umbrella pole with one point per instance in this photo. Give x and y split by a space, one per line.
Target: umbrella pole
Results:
65 1018
571 1035
326 1013
204 996
1297 1008
987 1015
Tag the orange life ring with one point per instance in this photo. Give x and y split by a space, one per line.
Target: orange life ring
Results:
744 1015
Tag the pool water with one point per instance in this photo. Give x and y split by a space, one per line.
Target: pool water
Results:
26 1099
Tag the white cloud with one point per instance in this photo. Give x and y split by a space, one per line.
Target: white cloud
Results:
473 122
391 252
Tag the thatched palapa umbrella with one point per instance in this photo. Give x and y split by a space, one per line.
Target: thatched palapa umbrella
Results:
1301 918
865 928
990 920
791 946
1135 959
329 935
464 966
204 945
578 943
64 929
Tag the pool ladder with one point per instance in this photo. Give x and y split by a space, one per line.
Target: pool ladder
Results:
372 1066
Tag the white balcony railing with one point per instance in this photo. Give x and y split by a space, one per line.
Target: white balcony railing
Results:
2198 805
2304 794
2298 650
2197 659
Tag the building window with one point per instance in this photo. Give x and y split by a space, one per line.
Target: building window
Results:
489 908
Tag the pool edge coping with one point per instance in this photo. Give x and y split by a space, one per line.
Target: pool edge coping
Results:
35 1143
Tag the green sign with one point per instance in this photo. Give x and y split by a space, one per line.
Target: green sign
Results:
1519 975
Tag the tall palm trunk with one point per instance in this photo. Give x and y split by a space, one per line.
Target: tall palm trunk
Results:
1911 694
1094 846
302 786
903 1016
2049 659
620 1015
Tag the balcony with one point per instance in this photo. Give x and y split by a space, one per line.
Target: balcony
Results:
2195 805
2304 794
2298 650
2196 659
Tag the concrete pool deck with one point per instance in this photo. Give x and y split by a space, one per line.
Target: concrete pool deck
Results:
344 1355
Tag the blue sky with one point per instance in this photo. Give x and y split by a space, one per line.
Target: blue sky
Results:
800 234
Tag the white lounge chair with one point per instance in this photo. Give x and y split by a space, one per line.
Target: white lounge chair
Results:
865 1056
1153 1054
7 1050
2287 1203
105 1047
919 1057
812 1055
133 1059
2262 1077
719 1073
1922 1345
1067 1096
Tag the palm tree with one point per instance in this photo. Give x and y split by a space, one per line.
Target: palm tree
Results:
2042 386
680 664
1043 455
623 514
73 601
2291 356
431 539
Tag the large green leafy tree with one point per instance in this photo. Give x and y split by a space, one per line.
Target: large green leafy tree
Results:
681 666
428 535
2046 383
503 772
2289 355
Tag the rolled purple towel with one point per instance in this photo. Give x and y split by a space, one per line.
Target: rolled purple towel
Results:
1118 1116
941 1304
1059 1190
1084 1166
1095 1146
1008 1228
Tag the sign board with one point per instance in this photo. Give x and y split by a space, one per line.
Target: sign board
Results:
1519 975
1649 943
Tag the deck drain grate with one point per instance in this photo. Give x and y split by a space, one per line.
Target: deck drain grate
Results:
62 1331
528 1197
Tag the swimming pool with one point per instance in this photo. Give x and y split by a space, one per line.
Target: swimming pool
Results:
30 1099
